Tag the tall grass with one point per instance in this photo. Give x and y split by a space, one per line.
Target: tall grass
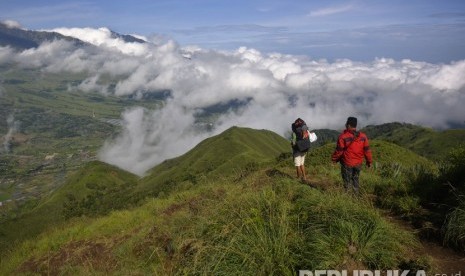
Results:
454 228
290 228
343 232
453 173
258 225
256 236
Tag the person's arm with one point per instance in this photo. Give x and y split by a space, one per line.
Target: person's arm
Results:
293 139
367 152
340 146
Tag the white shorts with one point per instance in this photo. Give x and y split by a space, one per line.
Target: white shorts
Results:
299 158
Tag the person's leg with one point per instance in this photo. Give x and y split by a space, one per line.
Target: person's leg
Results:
303 176
297 168
299 159
302 166
355 176
346 176
297 163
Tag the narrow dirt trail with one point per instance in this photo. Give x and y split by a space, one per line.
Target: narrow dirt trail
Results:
447 260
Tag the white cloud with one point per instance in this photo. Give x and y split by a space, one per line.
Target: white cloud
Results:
54 56
274 89
331 10
92 84
6 55
103 37
447 77
12 24
151 136
12 129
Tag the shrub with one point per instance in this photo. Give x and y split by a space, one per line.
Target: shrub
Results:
444 193
453 172
454 228
256 235
341 232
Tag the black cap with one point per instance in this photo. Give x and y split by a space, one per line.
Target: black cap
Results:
352 121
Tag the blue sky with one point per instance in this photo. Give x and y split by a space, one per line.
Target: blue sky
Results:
426 30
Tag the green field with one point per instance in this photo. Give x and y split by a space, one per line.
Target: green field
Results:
56 129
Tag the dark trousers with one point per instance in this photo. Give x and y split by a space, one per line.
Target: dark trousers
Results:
350 176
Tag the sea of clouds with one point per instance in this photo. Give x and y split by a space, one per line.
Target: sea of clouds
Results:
275 89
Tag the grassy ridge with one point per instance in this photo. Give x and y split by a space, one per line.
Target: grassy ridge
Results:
271 225
432 144
244 215
383 152
236 149
98 188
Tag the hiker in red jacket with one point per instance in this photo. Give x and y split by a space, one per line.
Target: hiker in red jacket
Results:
352 146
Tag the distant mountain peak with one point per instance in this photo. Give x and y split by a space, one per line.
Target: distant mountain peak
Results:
127 38
11 34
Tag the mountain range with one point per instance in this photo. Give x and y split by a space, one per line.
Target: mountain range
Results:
21 39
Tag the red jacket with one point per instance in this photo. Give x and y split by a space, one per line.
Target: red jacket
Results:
351 148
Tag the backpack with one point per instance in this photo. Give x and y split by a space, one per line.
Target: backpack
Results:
299 127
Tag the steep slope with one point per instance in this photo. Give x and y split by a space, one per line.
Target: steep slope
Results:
95 189
236 149
424 141
98 188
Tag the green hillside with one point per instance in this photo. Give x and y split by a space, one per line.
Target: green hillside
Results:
427 142
231 205
54 129
384 153
261 224
236 150
96 189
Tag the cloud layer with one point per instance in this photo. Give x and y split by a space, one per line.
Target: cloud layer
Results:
271 89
